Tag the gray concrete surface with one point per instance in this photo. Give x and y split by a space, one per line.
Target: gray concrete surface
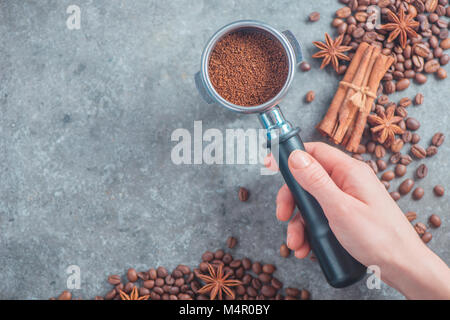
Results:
85 127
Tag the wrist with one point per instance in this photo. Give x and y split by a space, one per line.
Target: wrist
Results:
419 274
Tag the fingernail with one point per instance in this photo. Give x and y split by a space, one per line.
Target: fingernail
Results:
300 159
288 240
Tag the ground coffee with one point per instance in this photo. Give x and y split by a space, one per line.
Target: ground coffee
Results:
248 68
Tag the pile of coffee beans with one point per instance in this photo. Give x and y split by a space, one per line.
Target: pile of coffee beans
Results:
400 160
258 280
422 56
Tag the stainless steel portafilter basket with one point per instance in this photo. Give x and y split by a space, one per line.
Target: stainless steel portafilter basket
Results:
339 267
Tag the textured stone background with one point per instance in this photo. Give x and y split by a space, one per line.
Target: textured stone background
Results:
86 119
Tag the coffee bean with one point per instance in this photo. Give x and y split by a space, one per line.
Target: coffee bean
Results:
406 186
431 66
445 44
415 138
418 193
314 16
441 73
411 216
343 13
405 159
207 257
386 184
397 145
380 151
444 59
310 95
264 277
284 251
269 268
389 87
407 136
370 147
305 66
418 99
257 268
420 78
372 165
395 195
357 157
388 176
252 292
381 164
114 279
404 102
400 170
402 84
418 151
227 258
246 263
110 295
438 139
243 194
412 124
256 283
65 295
293 292
426 237
132 275
231 242
420 228
435 221
439 190
431 151
421 50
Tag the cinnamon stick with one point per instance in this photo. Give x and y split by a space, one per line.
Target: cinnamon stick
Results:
327 125
382 64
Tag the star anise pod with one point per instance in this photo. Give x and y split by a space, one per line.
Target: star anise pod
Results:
217 282
384 125
401 25
331 51
134 295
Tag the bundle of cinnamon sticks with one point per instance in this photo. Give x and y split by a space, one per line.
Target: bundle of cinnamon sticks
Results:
346 117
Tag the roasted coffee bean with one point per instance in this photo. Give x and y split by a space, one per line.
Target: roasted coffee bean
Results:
159 282
184 269
445 44
395 195
110 295
431 66
231 242
381 164
357 157
421 50
132 275
246 279
310 95
143 275
411 216
119 287
305 66
235 264
439 190
370 147
383 100
293 292
152 274
372 165
246 263
404 102
406 186
343 13
269 268
256 283
169 280
400 170
65 295
277 284
268 291
435 221
397 145
388 176
114 279
405 159
444 59
257 268
412 124
418 151
149 284
420 78
128 287
431 151
264 277
252 292
227 258
418 193
386 184
243 194
418 99
402 84
284 251
415 138
422 171
380 151
410 73
207 257
426 237
438 139
389 87
441 73
407 136
219 254
314 16
420 228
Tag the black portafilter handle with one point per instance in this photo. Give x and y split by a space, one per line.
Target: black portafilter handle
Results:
339 267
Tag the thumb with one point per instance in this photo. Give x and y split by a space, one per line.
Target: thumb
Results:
314 178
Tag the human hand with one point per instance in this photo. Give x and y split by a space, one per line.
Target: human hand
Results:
364 218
